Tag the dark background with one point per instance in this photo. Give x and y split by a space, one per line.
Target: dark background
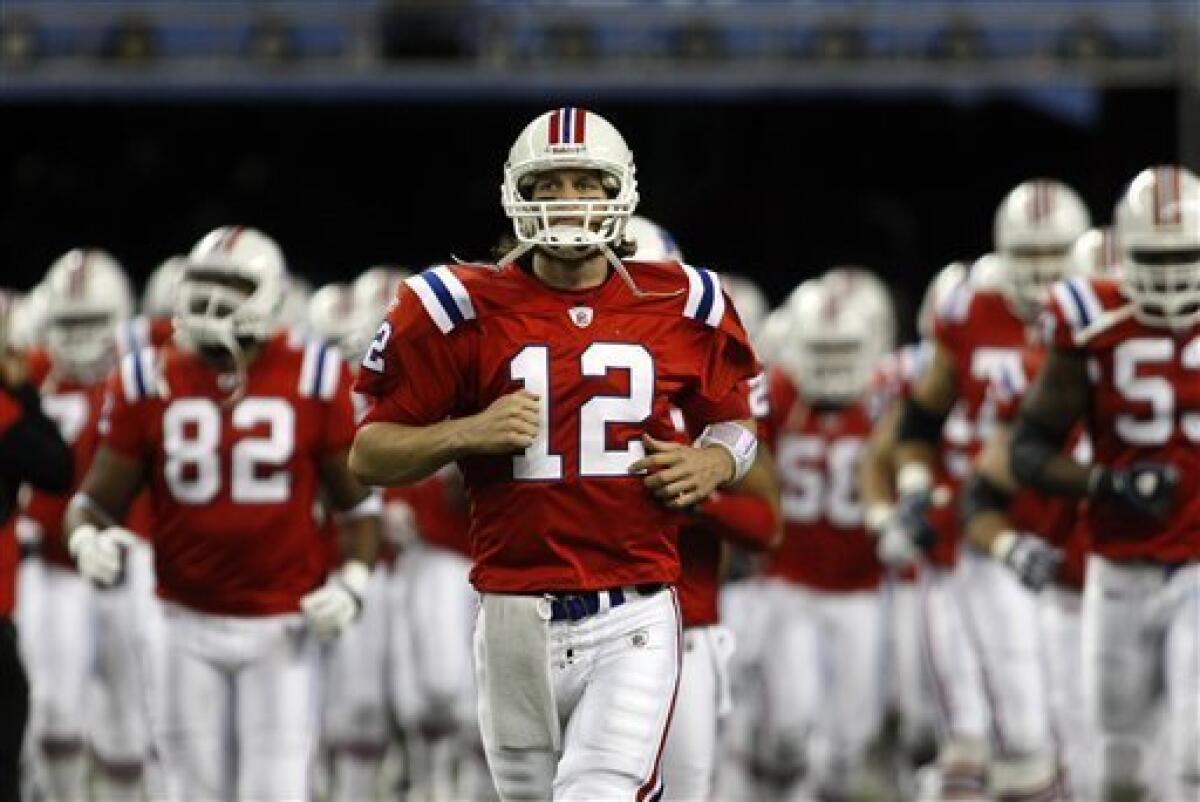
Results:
777 189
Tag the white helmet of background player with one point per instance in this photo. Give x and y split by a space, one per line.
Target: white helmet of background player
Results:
654 243
844 323
949 277
86 296
1158 225
296 294
26 328
1035 227
772 341
162 288
333 316
1097 253
750 302
376 287
232 290
569 138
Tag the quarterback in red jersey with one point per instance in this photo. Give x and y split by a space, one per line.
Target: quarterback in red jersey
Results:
551 383
1123 359
981 331
827 609
233 429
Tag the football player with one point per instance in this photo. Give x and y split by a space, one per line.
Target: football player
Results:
1122 358
549 378
153 326
87 297
233 428
979 332
827 606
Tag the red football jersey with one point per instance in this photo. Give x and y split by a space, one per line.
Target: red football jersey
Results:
565 514
1056 519
75 408
439 511
1145 407
141 332
817 450
233 486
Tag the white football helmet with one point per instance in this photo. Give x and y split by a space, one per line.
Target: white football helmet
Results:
376 287
654 243
1035 227
772 341
1097 253
162 288
296 294
843 323
949 277
332 317
86 296
569 138
232 290
26 328
1158 226
749 300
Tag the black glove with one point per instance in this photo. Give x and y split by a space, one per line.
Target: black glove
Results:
911 516
1035 562
1146 488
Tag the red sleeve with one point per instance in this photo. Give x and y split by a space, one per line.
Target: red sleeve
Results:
410 372
1053 327
10 411
120 421
727 363
743 519
339 427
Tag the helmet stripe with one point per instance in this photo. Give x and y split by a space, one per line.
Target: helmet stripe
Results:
567 126
231 237
555 126
580 133
1175 208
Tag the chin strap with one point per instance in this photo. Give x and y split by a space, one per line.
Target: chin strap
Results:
613 260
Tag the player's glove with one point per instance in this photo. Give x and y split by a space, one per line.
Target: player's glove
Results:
333 607
1035 562
1146 488
100 553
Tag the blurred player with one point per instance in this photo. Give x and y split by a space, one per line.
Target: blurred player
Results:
82 696
153 326
823 681
233 428
354 698
1097 253
550 381
1122 359
748 519
980 607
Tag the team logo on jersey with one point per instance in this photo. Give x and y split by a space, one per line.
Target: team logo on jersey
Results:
581 316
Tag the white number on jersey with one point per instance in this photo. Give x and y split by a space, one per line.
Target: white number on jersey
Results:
1157 391
192 434
531 367
69 411
991 366
812 491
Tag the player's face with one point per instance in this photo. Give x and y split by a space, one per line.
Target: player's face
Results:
565 185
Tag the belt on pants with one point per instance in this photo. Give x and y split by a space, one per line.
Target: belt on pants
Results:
577 605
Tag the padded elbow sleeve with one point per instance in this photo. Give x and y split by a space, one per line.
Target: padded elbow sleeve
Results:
918 423
979 496
1033 445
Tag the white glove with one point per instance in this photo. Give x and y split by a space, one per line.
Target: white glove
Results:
893 545
100 553
333 607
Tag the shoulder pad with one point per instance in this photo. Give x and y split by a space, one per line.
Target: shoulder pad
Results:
956 303
1089 306
139 375
444 297
705 298
320 369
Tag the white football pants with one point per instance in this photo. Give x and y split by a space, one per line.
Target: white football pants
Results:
1062 646
688 762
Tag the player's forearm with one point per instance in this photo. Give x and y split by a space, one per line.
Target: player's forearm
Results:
360 538
393 454
84 510
750 516
1038 460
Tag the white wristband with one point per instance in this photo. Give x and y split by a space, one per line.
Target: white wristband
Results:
876 516
913 478
1002 546
740 442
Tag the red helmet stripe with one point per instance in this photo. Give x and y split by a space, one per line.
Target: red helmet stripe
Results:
1175 210
555 126
231 237
580 126
77 273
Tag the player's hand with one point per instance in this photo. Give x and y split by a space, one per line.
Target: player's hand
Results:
1146 488
510 423
100 553
681 475
333 607
1035 562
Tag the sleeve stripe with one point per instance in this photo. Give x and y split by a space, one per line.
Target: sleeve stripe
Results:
462 298
705 301
1067 304
308 368
147 371
127 381
329 374
1087 294
139 373
433 305
322 355
1081 312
